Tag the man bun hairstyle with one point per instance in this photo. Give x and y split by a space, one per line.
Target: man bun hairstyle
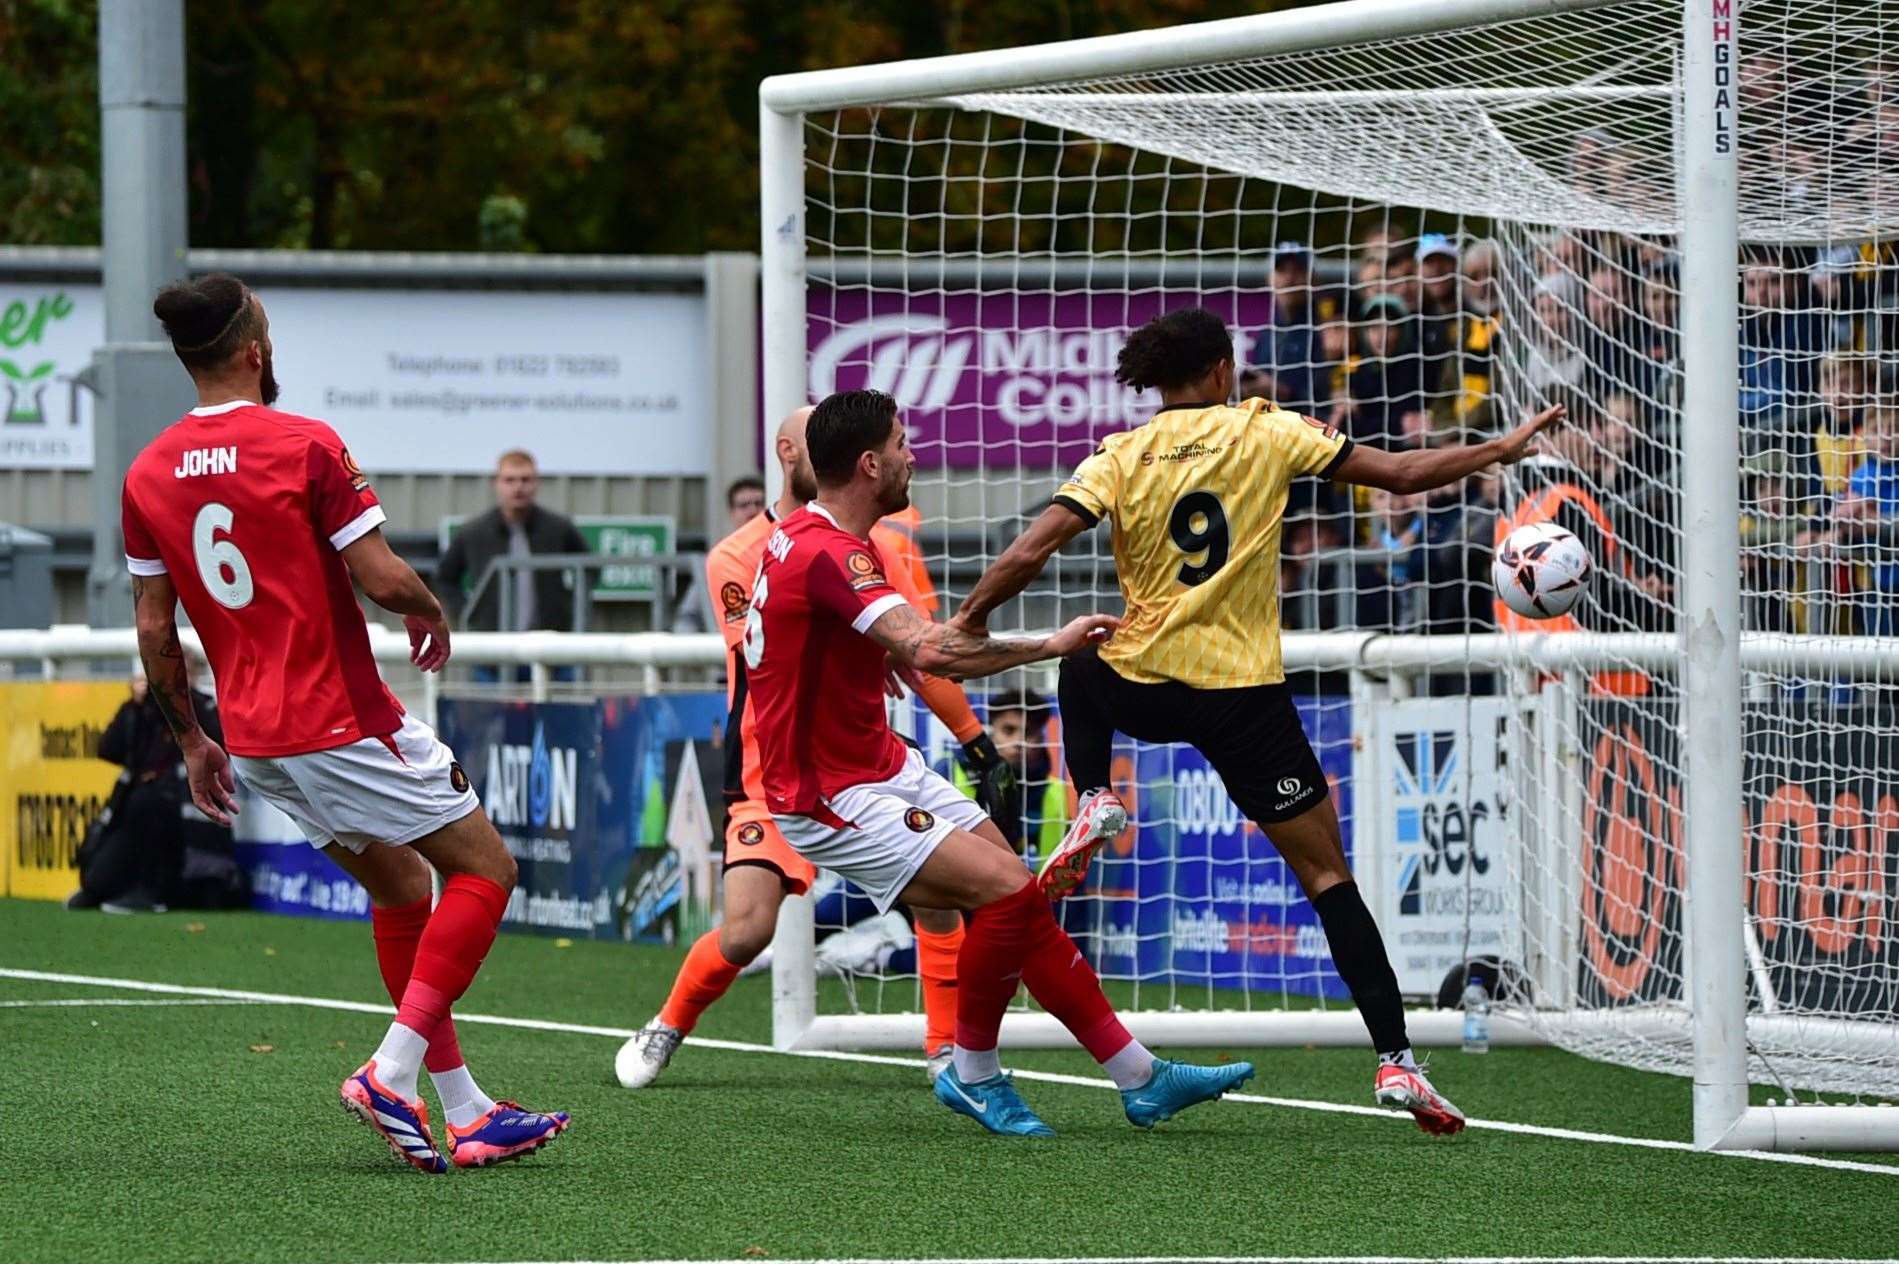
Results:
1173 350
208 318
844 427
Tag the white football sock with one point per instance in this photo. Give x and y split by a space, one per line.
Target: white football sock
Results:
975 1065
463 1102
1132 1067
1401 1058
398 1059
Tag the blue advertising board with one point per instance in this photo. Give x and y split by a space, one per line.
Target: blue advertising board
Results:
578 793
1194 895
1201 898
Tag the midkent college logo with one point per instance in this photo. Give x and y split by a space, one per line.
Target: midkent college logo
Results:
532 785
1031 377
1435 830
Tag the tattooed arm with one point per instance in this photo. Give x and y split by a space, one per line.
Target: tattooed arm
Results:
213 787
943 649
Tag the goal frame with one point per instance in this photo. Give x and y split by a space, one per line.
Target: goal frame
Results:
1709 650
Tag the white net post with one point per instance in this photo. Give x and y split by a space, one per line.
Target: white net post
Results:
1711 612
781 310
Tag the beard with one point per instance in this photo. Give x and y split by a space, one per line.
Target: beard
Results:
804 484
267 382
894 496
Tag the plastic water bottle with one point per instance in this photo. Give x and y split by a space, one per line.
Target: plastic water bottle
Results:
1476 1018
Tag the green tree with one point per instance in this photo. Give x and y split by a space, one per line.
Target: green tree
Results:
49 142
621 126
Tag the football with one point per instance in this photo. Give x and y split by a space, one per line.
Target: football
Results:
1541 571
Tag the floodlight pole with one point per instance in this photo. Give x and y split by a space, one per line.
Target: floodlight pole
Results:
141 388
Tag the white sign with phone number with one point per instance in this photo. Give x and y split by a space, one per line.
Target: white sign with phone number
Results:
425 381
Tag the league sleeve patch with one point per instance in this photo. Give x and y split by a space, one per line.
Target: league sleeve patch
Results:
1325 428
357 478
864 571
732 599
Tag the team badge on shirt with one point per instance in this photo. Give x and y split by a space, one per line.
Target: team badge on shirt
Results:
457 779
357 478
864 571
732 597
918 821
751 834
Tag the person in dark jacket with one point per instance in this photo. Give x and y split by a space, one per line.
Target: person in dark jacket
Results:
151 849
515 527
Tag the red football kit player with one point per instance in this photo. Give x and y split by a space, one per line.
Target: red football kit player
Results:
760 867
256 521
823 627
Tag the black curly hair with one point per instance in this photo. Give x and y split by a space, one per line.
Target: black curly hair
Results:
1174 349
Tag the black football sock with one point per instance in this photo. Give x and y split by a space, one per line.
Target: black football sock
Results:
1358 951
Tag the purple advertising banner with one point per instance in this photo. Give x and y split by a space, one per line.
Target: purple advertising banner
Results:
1001 378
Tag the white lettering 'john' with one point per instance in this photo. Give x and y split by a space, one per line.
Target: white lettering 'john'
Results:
195 461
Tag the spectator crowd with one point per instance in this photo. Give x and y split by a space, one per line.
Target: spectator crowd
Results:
1412 341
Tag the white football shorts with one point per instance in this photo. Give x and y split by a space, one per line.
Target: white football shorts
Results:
891 828
390 790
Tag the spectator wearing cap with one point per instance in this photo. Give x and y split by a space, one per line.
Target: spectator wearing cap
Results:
1382 383
1841 294
1289 350
1437 298
1466 394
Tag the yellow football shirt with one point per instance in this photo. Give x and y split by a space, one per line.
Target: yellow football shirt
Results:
1198 497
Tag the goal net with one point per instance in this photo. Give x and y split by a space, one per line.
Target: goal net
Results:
1420 237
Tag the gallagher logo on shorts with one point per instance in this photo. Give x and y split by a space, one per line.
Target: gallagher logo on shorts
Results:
864 571
732 597
457 778
918 821
751 834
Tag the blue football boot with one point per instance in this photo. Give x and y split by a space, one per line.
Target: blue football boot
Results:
1175 1086
993 1103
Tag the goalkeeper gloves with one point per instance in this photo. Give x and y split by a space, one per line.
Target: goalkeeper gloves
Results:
995 781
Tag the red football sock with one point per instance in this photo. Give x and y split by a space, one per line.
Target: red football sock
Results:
995 939
450 951
703 977
937 952
398 930
1063 983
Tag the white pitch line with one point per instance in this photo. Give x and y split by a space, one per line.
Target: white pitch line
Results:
1302 1259
91 1002
1044 1077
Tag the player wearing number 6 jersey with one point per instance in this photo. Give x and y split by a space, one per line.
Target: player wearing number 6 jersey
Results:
1196 497
823 625
256 521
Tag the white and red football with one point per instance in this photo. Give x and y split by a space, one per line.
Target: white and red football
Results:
1541 571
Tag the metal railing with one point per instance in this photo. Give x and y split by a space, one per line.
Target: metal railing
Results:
503 570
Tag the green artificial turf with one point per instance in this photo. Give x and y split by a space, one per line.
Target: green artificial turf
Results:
212 1132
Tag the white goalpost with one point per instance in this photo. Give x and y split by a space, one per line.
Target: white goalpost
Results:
1671 829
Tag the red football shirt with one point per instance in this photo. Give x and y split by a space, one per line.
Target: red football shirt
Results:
816 681
246 508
